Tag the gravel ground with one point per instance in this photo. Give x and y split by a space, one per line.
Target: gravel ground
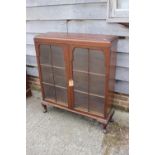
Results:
59 132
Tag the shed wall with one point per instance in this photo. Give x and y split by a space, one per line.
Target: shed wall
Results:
79 16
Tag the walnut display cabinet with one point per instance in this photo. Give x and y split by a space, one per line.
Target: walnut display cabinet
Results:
77 73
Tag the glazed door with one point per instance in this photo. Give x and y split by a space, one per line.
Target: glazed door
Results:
53 73
88 76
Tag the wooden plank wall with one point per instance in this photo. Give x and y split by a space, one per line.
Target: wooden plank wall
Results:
83 16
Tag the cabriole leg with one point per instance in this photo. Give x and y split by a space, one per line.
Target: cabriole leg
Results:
104 128
44 108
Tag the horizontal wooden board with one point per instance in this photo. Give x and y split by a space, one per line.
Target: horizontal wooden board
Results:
45 26
122 59
30 50
31 60
122 73
123 44
122 87
33 71
30 3
68 12
97 27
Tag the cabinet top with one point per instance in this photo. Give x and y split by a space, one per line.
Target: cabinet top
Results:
75 37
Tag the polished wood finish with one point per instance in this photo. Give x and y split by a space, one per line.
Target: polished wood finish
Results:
84 82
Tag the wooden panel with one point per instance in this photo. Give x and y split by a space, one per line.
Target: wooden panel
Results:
30 50
33 71
97 27
31 60
45 26
122 87
123 60
30 3
123 45
122 73
63 12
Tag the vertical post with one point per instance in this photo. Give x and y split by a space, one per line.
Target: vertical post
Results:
88 78
37 45
69 74
107 66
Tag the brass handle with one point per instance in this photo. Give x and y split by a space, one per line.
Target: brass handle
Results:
71 83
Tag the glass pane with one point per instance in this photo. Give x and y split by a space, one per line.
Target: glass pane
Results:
49 92
45 57
57 56
47 75
96 84
80 59
80 81
61 95
59 77
88 77
53 73
123 4
96 61
96 105
81 101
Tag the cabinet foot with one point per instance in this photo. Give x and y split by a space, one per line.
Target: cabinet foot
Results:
44 108
111 120
105 128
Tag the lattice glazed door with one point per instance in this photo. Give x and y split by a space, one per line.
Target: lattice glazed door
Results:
53 74
89 77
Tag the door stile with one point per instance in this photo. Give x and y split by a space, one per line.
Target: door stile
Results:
37 46
68 75
71 81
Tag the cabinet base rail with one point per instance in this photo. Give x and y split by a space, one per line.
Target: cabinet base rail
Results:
103 120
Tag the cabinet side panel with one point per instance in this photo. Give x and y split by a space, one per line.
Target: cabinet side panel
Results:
113 57
37 45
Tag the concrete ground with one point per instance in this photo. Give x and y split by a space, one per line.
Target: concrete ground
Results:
59 132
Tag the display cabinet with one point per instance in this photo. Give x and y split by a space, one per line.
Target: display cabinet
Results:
77 73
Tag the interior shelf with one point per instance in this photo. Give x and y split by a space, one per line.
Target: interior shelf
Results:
92 94
91 73
57 67
50 84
